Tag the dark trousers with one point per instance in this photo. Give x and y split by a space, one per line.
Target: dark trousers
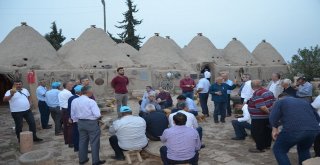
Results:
44 113
188 94
203 97
18 121
286 140
75 136
199 130
165 104
219 108
115 146
151 137
89 131
56 116
316 145
166 161
228 106
261 133
67 127
240 128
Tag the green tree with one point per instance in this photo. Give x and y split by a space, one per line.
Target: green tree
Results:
54 37
306 62
128 24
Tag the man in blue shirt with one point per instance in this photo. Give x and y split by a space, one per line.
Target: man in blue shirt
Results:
300 125
43 107
53 103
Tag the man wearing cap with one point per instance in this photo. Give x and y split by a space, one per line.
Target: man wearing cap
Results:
128 133
43 107
63 97
304 89
73 124
86 112
119 84
52 101
150 100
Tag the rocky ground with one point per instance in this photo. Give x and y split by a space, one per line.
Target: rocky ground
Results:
219 148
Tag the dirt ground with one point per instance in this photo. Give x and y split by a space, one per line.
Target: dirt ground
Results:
219 148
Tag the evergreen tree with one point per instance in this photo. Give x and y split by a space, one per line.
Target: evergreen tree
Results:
128 24
54 37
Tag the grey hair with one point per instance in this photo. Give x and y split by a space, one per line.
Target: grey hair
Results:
286 81
150 107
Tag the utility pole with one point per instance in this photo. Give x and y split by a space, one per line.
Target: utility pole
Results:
104 15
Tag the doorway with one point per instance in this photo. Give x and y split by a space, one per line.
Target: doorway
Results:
5 85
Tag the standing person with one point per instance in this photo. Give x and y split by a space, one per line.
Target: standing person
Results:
316 146
219 94
86 112
225 76
43 107
304 89
300 125
259 105
187 84
63 97
86 82
128 133
275 85
181 143
74 124
156 123
119 84
203 87
287 88
20 103
247 91
241 123
52 101
207 75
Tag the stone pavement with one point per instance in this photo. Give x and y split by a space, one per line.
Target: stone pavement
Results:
219 150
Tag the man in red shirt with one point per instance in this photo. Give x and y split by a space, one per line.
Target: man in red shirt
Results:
119 84
187 84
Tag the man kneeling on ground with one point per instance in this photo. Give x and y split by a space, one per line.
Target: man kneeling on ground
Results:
128 133
181 143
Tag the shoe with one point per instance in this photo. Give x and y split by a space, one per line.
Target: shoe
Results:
216 122
203 146
37 139
70 145
89 151
100 162
48 127
118 158
254 150
223 121
237 138
83 162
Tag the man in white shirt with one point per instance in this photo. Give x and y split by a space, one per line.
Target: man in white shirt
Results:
19 101
275 85
207 75
86 113
247 91
203 92
128 133
63 97
241 123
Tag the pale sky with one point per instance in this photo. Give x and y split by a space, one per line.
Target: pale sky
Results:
287 24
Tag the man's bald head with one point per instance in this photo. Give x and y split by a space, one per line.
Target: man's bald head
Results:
256 84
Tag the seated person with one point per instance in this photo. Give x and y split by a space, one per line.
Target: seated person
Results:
164 98
191 119
150 100
128 133
156 122
146 93
242 122
181 143
190 104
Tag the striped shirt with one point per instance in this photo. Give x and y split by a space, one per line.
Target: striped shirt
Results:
261 97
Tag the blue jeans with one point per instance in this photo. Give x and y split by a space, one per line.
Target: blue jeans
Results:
286 140
188 94
219 108
203 97
44 113
199 129
240 128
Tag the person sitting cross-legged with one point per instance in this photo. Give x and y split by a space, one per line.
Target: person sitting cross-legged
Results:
150 100
128 133
181 143
242 122
156 122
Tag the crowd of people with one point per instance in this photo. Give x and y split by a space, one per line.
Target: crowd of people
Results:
281 111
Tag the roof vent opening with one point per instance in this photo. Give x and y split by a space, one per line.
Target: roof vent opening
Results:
199 34
128 55
25 59
234 39
263 40
93 26
167 37
73 39
94 66
100 62
24 24
278 60
156 34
